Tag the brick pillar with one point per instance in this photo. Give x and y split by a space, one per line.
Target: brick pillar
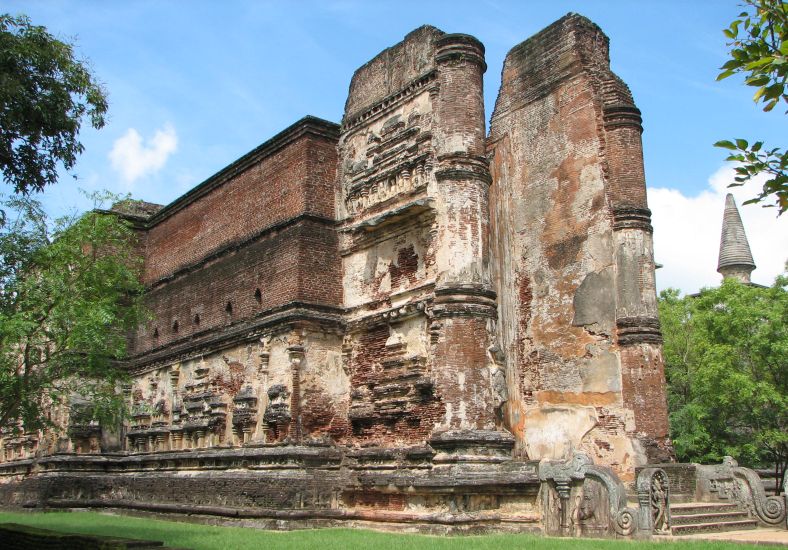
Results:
637 323
464 307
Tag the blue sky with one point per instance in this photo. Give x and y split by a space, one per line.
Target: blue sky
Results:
193 85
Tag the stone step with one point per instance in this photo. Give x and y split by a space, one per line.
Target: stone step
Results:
714 527
694 508
717 517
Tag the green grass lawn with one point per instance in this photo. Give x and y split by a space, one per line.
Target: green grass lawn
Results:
207 537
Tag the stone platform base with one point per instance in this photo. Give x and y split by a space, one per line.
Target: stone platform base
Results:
291 487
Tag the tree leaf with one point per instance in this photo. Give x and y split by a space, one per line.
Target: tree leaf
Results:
725 144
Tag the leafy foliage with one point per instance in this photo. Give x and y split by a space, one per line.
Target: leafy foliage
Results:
726 363
759 50
44 94
753 160
68 298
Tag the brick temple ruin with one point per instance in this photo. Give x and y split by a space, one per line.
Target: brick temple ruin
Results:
401 320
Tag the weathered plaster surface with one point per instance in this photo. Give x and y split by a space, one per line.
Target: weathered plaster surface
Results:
558 165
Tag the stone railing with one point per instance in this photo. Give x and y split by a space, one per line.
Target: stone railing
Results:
624 518
583 499
730 482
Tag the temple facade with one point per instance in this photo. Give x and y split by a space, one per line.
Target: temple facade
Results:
401 318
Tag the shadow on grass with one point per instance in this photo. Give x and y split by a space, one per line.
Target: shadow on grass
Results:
208 537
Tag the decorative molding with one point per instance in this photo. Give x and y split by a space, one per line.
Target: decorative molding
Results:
414 215
638 330
622 115
407 178
214 340
626 217
249 457
465 300
390 315
414 87
472 446
460 47
463 167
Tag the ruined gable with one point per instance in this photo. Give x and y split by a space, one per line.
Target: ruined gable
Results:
414 183
573 243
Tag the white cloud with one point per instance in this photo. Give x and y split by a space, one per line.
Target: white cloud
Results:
133 159
687 233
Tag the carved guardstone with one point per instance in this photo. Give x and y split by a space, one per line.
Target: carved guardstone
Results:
600 495
654 499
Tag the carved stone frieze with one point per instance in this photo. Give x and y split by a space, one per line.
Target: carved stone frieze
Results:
245 410
498 376
277 412
418 85
402 386
408 179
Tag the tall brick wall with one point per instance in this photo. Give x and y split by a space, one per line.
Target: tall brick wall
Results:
297 263
567 169
253 238
291 174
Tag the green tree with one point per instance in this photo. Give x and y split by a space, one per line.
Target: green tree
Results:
68 299
726 364
759 50
45 92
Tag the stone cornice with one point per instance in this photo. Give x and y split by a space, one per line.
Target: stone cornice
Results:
255 456
464 300
391 314
455 47
463 167
218 338
378 109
